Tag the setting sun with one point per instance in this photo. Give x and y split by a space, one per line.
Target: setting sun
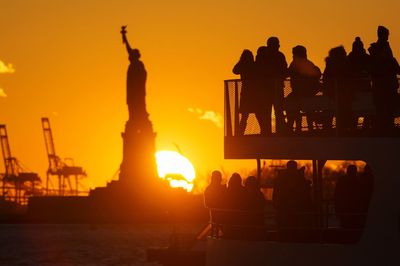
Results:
175 168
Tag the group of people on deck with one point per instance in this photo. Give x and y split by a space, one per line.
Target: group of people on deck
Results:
234 204
239 210
344 75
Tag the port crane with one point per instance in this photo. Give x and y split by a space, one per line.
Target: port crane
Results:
17 184
62 169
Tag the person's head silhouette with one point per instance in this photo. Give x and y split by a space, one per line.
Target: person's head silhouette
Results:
358 45
134 55
216 177
383 33
367 169
291 165
261 54
299 51
273 43
337 52
251 182
351 170
247 56
235 181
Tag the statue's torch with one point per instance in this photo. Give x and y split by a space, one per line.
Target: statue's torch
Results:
123 32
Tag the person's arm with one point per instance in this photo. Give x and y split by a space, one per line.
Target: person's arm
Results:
284 66
397 66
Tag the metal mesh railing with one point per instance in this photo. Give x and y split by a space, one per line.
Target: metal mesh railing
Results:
322 108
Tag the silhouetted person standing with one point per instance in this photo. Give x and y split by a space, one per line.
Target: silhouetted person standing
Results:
136 82
336 87
271 68
360 75
360 66
366 189
249 100
304 81
254 199
214 199
348 199
254 203
235 192
384 80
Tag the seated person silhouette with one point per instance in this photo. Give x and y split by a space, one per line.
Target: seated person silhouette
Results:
254 203
304 81
366 189
214 197
234 208
291 200
348 200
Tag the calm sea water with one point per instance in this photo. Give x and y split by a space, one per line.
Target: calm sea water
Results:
83 244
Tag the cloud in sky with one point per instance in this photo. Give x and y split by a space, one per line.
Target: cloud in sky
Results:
6 68
2 93
208 115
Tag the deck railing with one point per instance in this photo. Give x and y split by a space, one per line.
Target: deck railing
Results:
298 227
320 106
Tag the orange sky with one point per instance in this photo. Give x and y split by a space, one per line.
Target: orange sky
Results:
70 65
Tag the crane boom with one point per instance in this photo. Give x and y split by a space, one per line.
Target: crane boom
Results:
23 182
57 166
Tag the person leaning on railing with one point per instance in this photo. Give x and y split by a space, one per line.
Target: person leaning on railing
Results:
304 81
249 96
271 71
360 75
337 87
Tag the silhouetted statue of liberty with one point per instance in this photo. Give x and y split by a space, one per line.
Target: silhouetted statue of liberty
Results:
138 163
135 82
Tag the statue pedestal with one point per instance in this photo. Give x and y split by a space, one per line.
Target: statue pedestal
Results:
138 168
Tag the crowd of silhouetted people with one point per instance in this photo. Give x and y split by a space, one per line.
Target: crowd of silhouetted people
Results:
238 211
345 76
239 208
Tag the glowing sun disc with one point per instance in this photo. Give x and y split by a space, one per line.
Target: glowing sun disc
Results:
173 163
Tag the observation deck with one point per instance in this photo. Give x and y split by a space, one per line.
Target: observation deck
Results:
319 141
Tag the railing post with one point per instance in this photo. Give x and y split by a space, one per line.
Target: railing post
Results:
236 110
228 121
259 171
336 111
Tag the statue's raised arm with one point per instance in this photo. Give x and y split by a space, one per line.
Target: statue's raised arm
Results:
125 39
